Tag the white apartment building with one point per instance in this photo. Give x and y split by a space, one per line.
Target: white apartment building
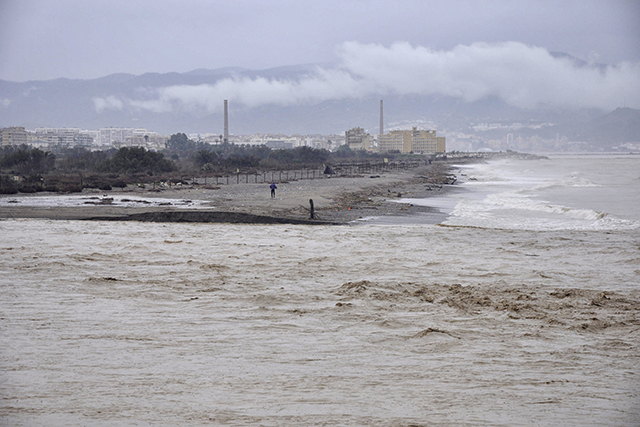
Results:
69 137
131 137
13 136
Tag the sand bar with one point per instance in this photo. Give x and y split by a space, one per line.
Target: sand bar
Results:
336 199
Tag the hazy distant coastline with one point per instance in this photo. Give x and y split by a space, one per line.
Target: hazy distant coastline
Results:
176 102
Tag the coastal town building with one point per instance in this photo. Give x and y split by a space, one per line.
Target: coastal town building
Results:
114 137
358 139
48 138
276 141
146 139
279 144
105 138
64 137
13 136
412 141
131 137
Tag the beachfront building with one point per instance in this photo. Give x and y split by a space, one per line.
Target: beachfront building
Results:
412 141
357 139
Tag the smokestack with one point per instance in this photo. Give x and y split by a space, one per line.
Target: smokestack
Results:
226 122
381 121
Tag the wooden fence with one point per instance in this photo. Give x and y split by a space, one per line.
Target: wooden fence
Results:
341 169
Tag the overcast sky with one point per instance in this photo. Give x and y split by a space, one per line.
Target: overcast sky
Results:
45 39
466 49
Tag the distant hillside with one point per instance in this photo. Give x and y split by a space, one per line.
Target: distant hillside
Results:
126 100
620 126
106 101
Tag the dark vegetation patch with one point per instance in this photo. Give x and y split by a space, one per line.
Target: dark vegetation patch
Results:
63 169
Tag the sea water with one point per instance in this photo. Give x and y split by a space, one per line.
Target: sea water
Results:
562 192
521 308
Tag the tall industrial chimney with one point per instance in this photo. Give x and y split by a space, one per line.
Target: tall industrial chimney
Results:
226 122
381 121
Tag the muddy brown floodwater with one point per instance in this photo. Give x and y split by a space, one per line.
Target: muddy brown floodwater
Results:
128 323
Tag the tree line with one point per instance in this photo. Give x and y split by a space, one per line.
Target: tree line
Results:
71 169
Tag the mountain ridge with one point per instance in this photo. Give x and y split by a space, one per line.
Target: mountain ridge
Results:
127 100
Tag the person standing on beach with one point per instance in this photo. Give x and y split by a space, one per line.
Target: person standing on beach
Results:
273 190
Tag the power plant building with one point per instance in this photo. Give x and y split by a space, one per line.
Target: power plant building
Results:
226 121
412 141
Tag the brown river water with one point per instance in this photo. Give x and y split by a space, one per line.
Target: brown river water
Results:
126 323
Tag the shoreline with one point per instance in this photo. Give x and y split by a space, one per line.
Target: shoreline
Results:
337 200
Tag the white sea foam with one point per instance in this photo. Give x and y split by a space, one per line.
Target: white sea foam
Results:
515 212
575 179
597 194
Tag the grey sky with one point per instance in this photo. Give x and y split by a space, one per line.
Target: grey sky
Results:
45 39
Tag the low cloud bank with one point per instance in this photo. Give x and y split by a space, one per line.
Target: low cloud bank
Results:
521 75
108 103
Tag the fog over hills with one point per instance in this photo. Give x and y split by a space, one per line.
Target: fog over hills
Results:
479 83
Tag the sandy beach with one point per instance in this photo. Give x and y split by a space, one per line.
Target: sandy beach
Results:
336 198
